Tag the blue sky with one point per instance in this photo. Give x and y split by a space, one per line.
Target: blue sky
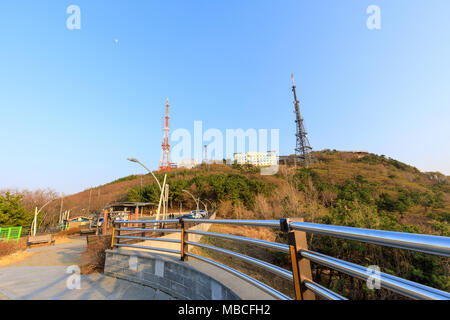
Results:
75 103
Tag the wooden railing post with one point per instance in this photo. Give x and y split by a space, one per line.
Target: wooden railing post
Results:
183 246
301 267
105 222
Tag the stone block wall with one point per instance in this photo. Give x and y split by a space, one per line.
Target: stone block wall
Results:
165 273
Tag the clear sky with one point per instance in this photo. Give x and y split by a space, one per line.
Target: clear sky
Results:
76 103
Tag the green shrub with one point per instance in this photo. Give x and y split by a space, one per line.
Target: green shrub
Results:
12 213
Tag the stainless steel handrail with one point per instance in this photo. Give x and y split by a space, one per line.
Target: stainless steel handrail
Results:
265 265
322 291
149 238
265 244
130 233
274 293
404 287
252 223
148 230
148 221
148 248
417 242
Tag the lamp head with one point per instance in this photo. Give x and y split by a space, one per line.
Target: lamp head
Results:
132 159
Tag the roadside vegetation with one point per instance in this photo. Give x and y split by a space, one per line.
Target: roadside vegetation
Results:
7 248
93 258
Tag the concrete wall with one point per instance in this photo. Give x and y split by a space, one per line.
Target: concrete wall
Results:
165 273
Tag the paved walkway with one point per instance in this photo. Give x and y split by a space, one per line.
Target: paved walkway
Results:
44 276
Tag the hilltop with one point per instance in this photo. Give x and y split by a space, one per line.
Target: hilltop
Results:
335 181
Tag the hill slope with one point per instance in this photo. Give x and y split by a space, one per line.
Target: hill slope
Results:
335 180
341 188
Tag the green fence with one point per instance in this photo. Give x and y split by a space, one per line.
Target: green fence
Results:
13 233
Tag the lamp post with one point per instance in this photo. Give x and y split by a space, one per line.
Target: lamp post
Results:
161 188
196 200
206 208
36 212
212 204
137 161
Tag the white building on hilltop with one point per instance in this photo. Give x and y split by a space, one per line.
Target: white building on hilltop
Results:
259 159
187 163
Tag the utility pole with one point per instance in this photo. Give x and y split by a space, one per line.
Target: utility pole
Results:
60 209
35 221
302 148
89 205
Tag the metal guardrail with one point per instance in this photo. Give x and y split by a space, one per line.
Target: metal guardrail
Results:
274 293
261 243
259 263
396 284
417 242
429 244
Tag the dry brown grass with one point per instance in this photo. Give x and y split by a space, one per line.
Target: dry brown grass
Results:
93 258
12 251
7 248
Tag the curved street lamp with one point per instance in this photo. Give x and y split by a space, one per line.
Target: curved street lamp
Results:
206 208
137 161
36 212
212 204
196 200
161 188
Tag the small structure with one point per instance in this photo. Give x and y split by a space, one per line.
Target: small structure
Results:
77 222
130 210
125 211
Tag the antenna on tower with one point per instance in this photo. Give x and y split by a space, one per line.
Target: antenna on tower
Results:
164 164
302 147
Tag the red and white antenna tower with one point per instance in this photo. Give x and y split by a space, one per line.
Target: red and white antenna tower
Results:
164 164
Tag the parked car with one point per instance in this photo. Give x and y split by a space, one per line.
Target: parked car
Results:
203 213
187 216
198 214
100 223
